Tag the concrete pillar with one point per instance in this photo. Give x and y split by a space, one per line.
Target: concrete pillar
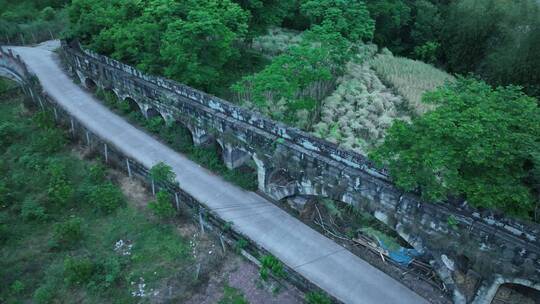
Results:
200 136
234 157
261 173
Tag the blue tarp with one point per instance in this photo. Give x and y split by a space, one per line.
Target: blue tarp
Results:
403 256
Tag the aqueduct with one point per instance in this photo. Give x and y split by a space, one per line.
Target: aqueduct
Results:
481 247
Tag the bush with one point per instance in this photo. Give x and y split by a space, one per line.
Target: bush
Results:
96 173
49 141
105 197
48 13
232 296
270 264
67 233
155 124
162 173
317 298
78 271
17 287
162 206
31 210
44 294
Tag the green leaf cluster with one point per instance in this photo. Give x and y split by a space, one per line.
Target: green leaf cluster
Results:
480 143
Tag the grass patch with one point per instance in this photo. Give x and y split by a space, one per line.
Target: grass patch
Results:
66 234
410 78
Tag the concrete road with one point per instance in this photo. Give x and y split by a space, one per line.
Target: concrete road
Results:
317 258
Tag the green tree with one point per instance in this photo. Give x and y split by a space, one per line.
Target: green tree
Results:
162 173
197 48
291 87
478 143
265 13
350 18
105 197
391 20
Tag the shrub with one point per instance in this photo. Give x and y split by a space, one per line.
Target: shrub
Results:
9 133
240 245
270 264
162 206
48 13
60 191
67 233
155 124
105 197
317 298
161 173
44 294
78 271
31 210
232 296
4 233
96 172
17 287
105 273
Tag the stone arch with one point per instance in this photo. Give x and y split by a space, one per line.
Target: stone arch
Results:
491 291
180 137
280 184
347 218
90 84
133 106
516 293
153 113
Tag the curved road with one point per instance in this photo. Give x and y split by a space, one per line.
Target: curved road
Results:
317 258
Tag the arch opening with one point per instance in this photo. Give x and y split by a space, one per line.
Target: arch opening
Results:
90 84
132 109
108 96
516 293
178 136
155 122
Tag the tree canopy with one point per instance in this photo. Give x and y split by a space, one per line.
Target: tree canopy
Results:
480 143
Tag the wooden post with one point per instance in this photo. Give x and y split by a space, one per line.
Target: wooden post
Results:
222 242
106 153
87 138
55 114
153 188
128 167
177 201
72 127
201 221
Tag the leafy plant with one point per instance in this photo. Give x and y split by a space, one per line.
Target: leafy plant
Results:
232 295
105 197
78 271
31 210
17 287
240 244
270 264
66 234
452 222
479 143
162 206
316 297
162 173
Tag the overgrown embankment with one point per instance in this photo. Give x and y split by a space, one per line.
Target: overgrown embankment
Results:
69 233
